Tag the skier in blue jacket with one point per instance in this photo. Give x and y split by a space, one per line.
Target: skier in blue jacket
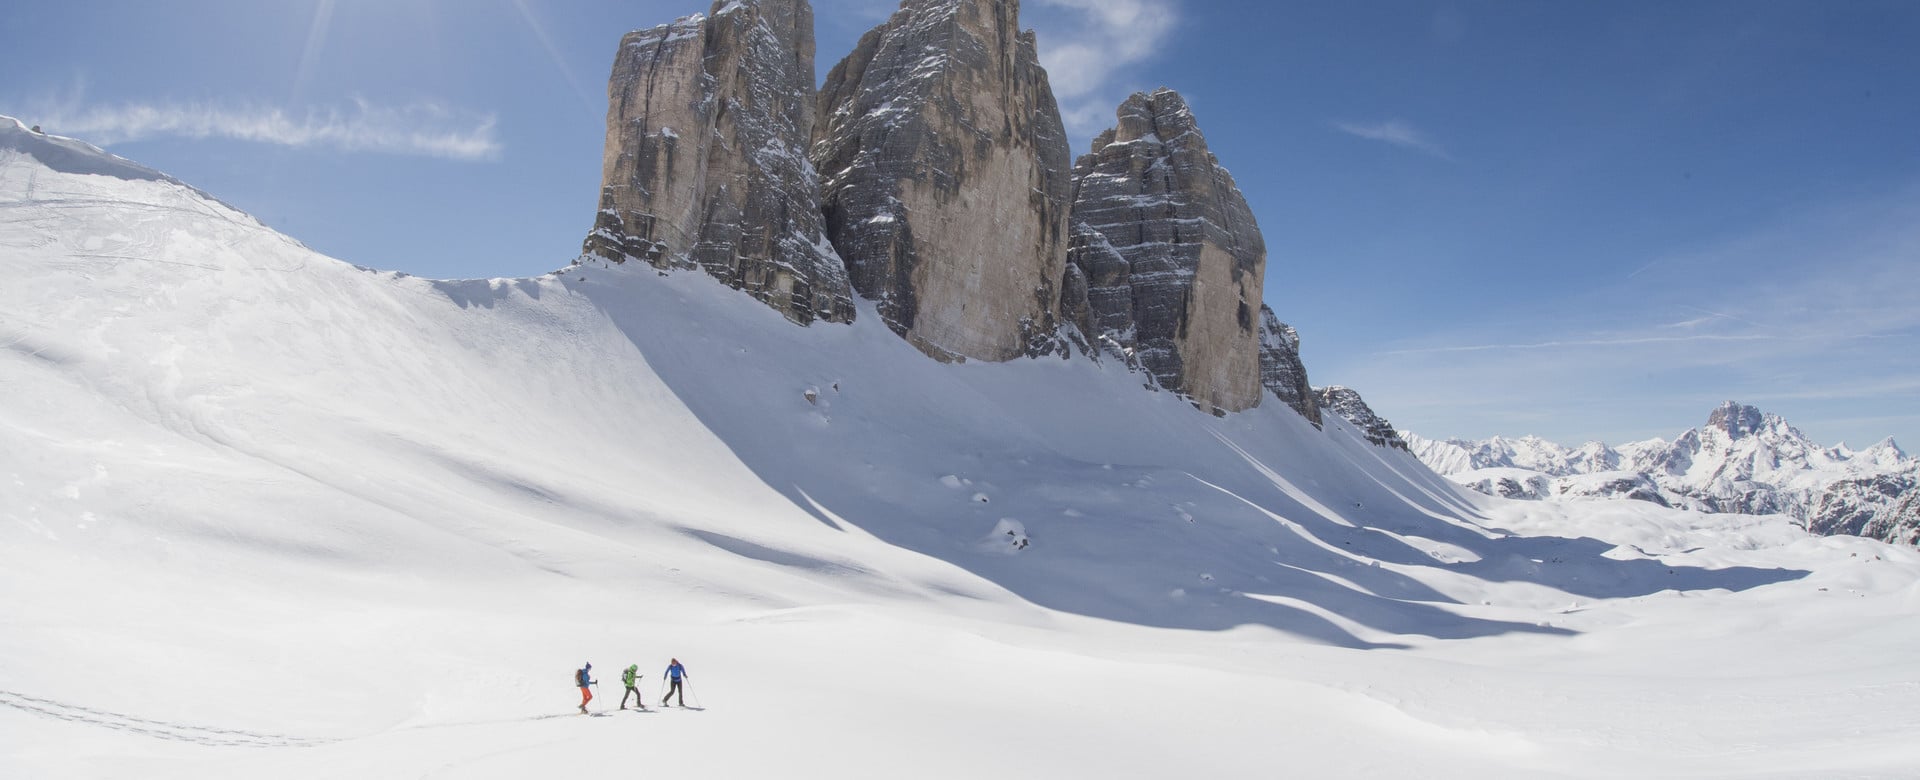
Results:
674 672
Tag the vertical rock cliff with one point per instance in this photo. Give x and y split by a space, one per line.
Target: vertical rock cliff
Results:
708 120
1171 256
945 181
1281 371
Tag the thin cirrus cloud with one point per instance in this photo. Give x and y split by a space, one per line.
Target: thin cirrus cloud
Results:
1084 57
1600 342
1396 132
420 129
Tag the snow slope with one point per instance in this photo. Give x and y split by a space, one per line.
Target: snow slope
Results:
266 513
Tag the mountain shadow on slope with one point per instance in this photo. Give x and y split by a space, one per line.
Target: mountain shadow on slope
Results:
1137 508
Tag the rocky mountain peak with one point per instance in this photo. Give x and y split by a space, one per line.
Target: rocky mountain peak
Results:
946 178
1737 420
1347 403
1884 452
1161 116
1172 259
708 120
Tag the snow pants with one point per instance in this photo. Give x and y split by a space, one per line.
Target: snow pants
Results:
635 693
586 695
673 688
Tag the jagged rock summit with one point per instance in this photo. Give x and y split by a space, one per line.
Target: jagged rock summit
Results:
707 124
1347 403
1171 257
945 180
1739 421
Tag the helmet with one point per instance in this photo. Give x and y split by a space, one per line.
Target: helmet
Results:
589 666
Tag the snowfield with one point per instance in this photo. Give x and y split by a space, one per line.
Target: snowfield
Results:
267 514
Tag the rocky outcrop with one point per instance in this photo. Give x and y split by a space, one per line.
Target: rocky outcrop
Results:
1882 506
708 120
1171 255
1608 485
1348 404
1281 371
945 181
1510 483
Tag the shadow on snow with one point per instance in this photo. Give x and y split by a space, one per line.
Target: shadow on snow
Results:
1133 507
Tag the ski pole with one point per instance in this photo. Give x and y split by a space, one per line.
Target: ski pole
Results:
696 697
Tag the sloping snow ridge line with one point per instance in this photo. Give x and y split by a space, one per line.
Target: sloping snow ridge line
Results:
267 514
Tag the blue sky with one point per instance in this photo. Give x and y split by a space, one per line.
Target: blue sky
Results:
1577 220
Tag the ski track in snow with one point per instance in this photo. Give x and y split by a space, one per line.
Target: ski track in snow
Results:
158 729
224 737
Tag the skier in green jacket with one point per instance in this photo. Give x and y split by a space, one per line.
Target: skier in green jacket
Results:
631 676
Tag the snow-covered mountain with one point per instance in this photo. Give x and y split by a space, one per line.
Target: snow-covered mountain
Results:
1742 460
265 513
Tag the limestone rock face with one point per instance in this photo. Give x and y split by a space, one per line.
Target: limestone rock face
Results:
1881 506
1172 257
1348 404
1281 371
945 181
708 120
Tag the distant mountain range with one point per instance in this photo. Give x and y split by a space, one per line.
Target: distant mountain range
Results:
1742 460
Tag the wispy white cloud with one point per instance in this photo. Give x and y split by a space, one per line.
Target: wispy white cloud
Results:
592 105
1562 344
1903 386
1086 49
423 129
1713 315
1394 131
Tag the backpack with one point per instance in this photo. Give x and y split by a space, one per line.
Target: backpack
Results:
579 678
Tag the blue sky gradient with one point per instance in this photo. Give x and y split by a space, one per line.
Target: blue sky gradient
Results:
1576 220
